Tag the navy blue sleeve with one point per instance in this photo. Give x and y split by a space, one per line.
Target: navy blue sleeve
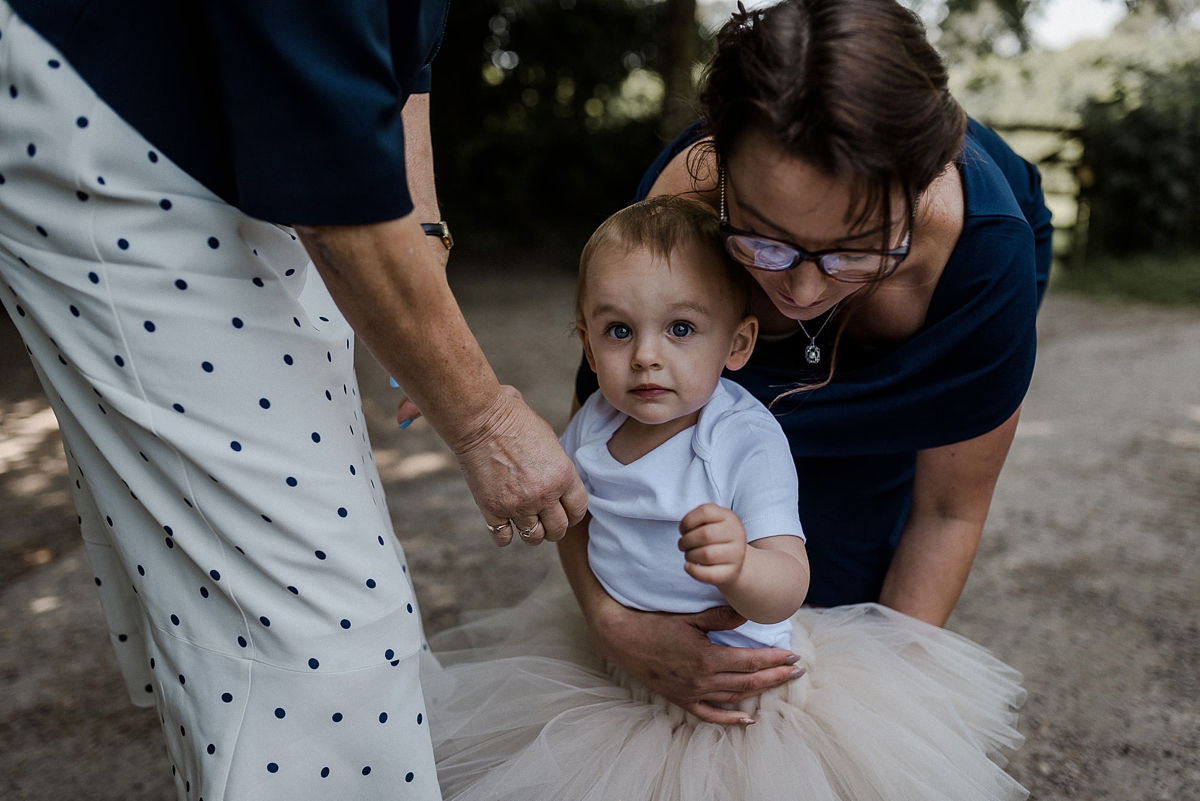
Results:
424 81
313 104
287 109
1026 184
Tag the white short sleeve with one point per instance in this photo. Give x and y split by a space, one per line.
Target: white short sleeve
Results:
753 465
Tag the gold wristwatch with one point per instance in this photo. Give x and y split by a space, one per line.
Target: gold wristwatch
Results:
440 230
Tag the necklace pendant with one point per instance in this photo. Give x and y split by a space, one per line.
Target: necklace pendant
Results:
812 354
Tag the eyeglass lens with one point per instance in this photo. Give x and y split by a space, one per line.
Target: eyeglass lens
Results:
765 254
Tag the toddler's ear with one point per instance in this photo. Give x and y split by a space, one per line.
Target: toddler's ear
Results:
744 337
581 332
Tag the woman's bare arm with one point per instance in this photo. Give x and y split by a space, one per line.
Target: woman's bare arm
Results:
952 492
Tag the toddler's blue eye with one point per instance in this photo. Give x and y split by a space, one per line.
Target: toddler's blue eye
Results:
619 331
680 330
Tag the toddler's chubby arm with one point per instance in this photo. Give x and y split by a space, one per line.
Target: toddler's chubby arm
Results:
764 581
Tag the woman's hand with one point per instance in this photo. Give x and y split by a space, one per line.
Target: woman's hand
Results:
671 654
553 513
519 475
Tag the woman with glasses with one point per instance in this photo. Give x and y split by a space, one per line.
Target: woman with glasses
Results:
899 252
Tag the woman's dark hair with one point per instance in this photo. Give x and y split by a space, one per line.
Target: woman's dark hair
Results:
850 86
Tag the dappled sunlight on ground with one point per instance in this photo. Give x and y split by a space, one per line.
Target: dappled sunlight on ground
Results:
23 427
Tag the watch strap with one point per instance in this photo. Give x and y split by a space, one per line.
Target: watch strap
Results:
440 230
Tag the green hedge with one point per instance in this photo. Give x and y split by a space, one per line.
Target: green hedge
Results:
534 140
1142 155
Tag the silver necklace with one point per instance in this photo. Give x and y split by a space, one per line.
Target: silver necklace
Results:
812 353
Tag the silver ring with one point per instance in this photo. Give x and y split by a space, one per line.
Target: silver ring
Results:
526 532
498 529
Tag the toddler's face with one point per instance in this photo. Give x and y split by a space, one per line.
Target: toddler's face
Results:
658 336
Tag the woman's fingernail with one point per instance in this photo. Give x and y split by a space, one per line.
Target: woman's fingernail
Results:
405 424
797 673
791 660
392 381
747 721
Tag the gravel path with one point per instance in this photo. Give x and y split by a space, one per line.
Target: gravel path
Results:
1088 579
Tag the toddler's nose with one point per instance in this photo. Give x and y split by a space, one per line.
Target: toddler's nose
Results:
646 356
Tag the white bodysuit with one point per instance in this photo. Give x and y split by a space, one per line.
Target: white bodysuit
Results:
735 456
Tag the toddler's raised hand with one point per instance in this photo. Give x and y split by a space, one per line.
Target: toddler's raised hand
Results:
714 544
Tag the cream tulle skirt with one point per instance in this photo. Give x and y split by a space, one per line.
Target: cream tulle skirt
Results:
891 708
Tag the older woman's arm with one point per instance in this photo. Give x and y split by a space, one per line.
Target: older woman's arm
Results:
418 164
389 279
392 289
952 492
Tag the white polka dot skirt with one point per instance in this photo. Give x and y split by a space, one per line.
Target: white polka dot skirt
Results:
203 380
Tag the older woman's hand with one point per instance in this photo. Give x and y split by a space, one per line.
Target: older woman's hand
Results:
517 471
493 502
671 654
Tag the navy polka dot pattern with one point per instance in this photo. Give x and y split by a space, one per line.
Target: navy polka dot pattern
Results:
214 468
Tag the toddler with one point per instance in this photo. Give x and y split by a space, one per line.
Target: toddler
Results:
673 456
692 498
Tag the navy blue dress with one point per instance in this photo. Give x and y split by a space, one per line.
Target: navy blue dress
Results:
289 111
964 373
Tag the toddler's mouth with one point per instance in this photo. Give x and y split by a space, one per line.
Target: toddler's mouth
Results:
649 390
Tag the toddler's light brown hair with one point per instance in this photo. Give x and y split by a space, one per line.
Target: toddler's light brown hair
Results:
663 225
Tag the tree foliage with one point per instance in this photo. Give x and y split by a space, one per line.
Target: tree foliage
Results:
1142 153
981 27
544 115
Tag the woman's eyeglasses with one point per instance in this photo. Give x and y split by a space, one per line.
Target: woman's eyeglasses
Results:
843 264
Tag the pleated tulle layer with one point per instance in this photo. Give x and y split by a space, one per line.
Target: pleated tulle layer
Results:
891 708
